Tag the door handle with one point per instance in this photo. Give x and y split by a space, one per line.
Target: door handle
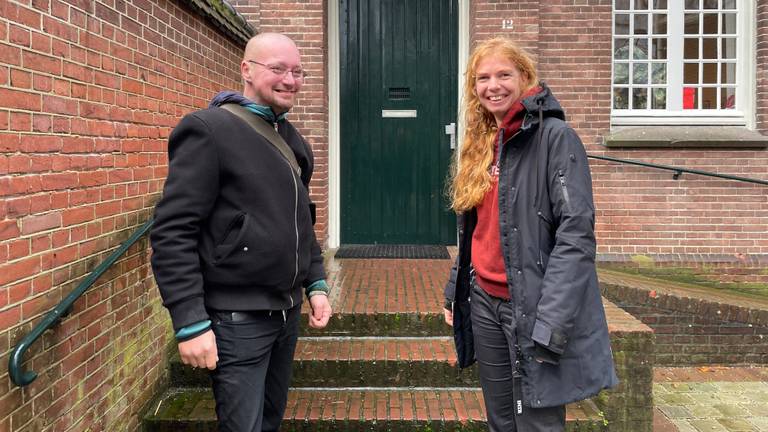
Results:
450 130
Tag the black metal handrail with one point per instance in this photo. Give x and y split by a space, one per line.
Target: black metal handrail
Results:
22 378
679 171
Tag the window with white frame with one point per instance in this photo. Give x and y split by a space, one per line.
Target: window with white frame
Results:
679 58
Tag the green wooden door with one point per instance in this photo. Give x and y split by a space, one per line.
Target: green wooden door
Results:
398 93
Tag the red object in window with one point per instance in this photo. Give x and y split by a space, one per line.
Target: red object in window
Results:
689 98
730 102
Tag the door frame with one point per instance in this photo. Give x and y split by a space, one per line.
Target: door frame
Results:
334 109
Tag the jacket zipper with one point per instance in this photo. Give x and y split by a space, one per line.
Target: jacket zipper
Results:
567 197
502 143
295 227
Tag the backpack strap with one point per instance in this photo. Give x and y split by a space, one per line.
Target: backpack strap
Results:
264 129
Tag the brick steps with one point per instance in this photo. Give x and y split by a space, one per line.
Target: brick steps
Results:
391 324
363 409
388 347
364 361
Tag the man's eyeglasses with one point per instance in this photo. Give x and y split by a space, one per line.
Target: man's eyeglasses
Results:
298 73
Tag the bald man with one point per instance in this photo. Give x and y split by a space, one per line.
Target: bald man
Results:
234 249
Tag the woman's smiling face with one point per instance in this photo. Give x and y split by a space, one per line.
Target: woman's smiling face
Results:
498 84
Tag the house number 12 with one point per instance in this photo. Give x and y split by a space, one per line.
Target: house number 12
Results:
507 24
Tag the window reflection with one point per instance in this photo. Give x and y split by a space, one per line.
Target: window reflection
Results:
728 48
621 98
710 23
641 24
639 98
691 24
621 26
659 100
728 73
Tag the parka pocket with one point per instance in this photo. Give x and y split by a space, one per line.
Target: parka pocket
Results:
546 229
232 236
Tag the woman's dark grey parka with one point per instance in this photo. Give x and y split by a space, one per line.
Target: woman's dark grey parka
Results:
546 216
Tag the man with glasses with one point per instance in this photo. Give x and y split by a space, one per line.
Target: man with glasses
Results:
234 248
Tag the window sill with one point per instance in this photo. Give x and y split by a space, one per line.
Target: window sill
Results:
685 137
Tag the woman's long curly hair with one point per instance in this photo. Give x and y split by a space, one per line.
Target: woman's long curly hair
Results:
470 179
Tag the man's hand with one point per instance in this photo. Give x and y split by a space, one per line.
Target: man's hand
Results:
321 311
448 314
200 351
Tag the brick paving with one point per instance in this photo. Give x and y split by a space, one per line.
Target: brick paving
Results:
361 404
412 286
711 399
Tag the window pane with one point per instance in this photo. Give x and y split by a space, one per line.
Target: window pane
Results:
729 4
710 23
659 100
639 98
691 4
710 4
709 73
639 73
621 50
620 98
691 73
659 49
659 23
658 73
621 73
728 73
691 23
622 4
690 98
660 4
691 49
708 98
727 98
640 50
641 4
641 24
729 23
709 48
622 24
728 48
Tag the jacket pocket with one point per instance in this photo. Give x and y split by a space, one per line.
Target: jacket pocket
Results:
233 235
544 248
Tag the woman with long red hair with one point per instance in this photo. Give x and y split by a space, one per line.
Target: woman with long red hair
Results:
523 297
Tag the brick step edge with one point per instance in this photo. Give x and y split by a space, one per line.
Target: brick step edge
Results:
390 409
390 324
355 362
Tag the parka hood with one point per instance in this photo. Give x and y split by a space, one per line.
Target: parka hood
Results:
544 101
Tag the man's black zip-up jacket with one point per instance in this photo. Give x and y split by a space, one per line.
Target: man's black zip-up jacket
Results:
233 230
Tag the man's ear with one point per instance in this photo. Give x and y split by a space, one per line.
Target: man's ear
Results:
245 71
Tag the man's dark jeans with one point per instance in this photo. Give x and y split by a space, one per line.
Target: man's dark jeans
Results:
250 382
493 324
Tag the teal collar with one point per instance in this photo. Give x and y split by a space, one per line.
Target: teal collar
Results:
264 112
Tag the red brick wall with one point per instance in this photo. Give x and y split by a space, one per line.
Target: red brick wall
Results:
762 66
305 23
692 331
89 91
640 211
